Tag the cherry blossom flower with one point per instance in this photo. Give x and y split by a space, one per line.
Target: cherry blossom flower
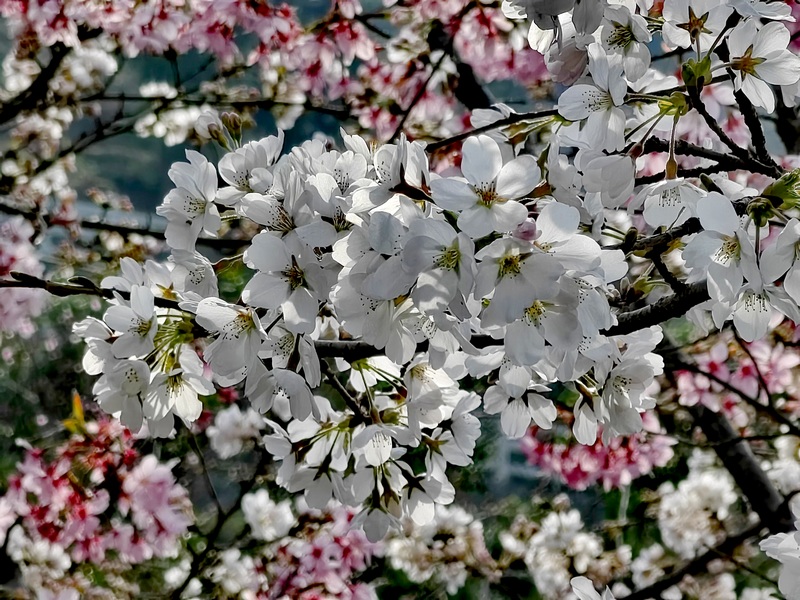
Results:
488 199
760 57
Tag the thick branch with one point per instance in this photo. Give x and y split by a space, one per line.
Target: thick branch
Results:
684 148
37 91
662 240
738 458
80 287
753 123
660 311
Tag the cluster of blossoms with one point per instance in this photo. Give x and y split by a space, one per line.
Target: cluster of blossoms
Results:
729 370
496 270
307 555
615 464
398 287
556 548
345 59
17 253
444 552
367 235
97 504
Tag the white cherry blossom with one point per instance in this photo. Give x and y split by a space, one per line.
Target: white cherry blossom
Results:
487 199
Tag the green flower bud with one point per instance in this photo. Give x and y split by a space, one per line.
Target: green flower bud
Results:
785 192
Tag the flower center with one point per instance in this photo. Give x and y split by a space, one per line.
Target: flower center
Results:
728 252
509 265
241 324
448 259
621 37
535 312
747 64
695 25
487 196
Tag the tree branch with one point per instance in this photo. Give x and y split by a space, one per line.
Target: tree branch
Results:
738 458
756 133
80 287
674 305
695 566
124 230
36 92
700 107
509 120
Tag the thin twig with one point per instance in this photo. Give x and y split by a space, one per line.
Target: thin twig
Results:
348 398
700 107
417 97
766 409
509 120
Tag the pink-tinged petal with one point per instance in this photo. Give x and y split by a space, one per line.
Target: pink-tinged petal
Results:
481 160
518 178
506 216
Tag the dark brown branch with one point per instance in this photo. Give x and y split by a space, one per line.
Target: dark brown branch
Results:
415 100
36 93
122 229
738 458
696 565
662 240
687 173
684 148
660 311
200 559
753 123
767 409
80 287
509 120
668 276
352 403
700 107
